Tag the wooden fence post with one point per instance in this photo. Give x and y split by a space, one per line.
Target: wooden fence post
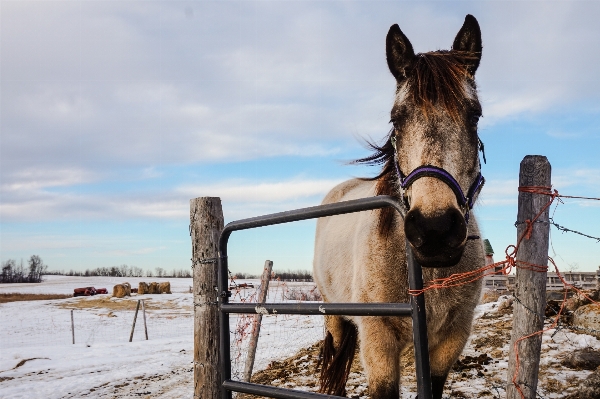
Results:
134 319
72 327
262 297
530 288
206 224
144 313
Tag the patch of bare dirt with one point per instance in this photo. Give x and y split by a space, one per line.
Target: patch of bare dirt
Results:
300 372
480 372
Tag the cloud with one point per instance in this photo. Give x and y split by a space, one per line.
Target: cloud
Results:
561 134
130 252
34 179
91 88
271 192
499 193
584 182
240 198
119 84
511 106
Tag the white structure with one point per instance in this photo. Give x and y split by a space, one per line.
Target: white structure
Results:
500 282
581 280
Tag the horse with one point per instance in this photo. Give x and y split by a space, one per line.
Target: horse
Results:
430 163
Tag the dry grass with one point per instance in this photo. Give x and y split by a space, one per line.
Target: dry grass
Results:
106 302
14 297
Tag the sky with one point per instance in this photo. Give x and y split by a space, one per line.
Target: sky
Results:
114 114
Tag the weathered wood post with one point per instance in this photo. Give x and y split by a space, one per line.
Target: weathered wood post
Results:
144 313
206 224
262 297
137 308
72 327
530 289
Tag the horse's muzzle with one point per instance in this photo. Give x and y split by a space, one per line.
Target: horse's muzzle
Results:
437 241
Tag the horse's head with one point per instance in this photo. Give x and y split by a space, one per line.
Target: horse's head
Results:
435 141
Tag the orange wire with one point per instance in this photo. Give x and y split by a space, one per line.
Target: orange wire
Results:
511 261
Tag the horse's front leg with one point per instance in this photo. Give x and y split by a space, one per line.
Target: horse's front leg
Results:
380 355
443 356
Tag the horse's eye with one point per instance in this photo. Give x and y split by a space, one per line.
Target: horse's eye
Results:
474 119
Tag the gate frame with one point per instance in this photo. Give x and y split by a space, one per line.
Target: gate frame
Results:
415 309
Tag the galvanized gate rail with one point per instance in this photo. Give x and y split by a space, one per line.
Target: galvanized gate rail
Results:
415 309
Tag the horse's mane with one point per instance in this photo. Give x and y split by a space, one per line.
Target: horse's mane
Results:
435 82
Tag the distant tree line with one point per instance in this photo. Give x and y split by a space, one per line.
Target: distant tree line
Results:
19 273
288 275
294 275
125 271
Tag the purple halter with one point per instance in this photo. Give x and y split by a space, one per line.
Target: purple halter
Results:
464 201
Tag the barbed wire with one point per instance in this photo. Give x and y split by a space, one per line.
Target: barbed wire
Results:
561 228
567 230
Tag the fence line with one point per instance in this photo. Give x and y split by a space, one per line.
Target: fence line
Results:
530 262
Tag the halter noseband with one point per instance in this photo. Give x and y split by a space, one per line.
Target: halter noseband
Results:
464 201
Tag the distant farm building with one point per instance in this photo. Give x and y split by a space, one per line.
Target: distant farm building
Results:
501 282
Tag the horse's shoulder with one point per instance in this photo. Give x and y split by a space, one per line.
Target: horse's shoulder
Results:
352 188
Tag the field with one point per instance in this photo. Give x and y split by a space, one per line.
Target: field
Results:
38 358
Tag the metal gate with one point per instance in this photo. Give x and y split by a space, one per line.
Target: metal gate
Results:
415 309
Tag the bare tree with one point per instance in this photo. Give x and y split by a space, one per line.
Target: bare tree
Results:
16 273
8 269
36 269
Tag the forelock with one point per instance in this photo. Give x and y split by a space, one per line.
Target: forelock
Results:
440 80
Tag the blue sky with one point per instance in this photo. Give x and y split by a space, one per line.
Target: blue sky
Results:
113 115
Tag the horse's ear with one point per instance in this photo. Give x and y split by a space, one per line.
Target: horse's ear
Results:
399 52
468 39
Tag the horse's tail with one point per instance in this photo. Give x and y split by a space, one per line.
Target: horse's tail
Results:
336 363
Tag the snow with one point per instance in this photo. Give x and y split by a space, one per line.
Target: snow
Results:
102 362
66 284
38 358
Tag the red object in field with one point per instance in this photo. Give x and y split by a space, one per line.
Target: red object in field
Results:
102 291
241 285
87 291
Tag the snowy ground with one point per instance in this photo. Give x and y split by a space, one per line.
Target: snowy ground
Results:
38 359
481 371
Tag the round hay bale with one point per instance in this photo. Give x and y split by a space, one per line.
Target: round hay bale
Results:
488 296
153 288
164 288
587 318
127 289
142 288
119 291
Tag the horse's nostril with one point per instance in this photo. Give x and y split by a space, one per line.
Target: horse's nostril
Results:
458 229
433 234
413 228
